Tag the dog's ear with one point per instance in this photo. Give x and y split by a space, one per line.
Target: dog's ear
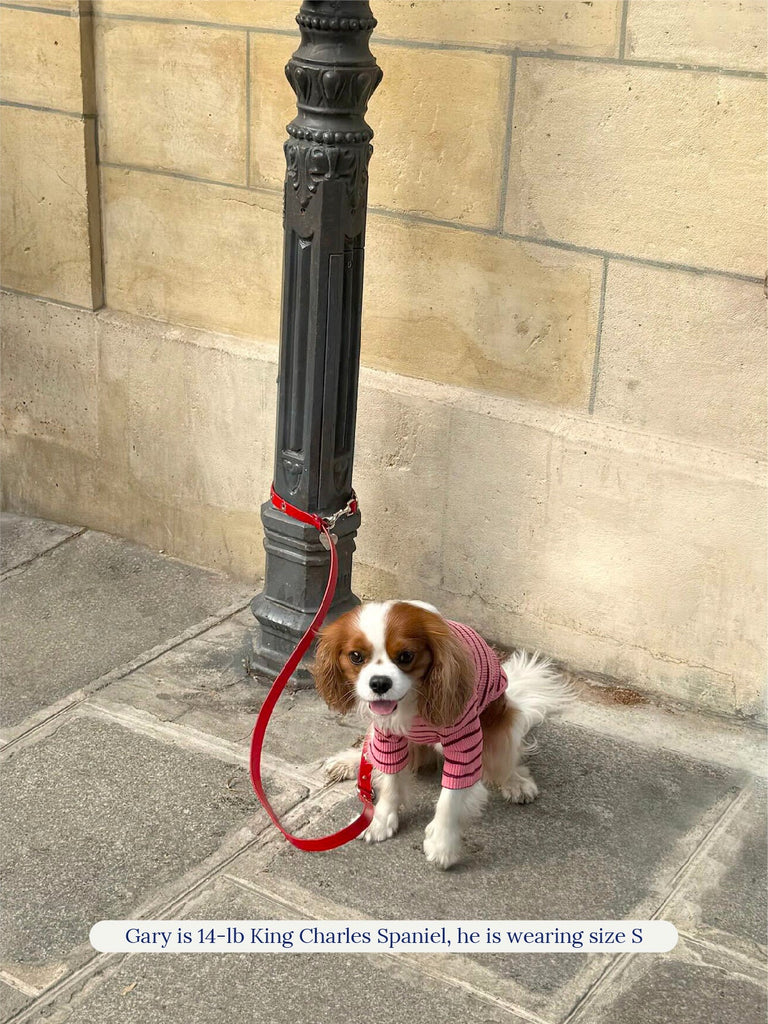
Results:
332 685
448 685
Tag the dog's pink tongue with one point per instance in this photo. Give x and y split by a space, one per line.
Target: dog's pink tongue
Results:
382 707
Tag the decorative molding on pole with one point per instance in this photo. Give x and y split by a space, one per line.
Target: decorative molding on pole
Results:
333 74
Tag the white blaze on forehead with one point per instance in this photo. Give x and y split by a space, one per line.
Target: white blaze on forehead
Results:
424 605
373 622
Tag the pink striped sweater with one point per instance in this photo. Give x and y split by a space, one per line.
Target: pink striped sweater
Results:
462 742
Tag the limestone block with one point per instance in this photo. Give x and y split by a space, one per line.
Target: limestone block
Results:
280 14
661 164
598 542
204 255
41 59
65 6
480 311
564 25
273 106
497 478
50 373
439 122
718 33
185 467
401 463
172 97
49 216
579 28
684 355
200 441
48 479
664 558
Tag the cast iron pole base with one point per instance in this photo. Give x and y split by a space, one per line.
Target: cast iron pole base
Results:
297 573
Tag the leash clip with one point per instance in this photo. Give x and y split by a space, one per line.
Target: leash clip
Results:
349 510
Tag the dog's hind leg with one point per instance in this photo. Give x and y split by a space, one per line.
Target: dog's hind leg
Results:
503 730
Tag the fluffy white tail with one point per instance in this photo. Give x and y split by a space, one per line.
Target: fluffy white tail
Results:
535 688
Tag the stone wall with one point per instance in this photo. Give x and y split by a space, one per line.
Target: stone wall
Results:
562 410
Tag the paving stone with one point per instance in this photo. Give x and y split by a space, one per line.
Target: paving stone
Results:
724 899
11 1001
23 538
611 827
691 985
91 605
98 820
274 988
738 904
204 683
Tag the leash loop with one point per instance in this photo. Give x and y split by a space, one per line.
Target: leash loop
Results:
364 789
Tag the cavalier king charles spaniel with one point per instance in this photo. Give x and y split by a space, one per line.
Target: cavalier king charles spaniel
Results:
424 683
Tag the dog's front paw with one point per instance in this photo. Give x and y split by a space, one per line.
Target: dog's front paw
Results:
441 846
340 767
521 791
381 828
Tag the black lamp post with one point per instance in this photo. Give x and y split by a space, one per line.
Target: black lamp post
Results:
333 74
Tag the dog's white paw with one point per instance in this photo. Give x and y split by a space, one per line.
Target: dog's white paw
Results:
441 846
381 828
521 791
339 768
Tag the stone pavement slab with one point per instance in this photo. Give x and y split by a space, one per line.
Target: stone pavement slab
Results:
691 985
98 822
726 900
737 903
609 831
204 684
23 538
90 605
11 1001
274 988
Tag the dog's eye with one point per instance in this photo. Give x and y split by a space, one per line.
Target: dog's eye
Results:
405 657
356 657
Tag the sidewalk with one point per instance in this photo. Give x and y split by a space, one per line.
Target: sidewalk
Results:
127 709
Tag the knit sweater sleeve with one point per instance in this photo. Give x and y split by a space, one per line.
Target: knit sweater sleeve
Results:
388 751
463 752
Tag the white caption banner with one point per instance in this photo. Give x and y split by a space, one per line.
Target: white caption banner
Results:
383 936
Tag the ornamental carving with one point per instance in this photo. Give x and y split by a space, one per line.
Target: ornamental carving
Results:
338 90
307 166
293 469
335 24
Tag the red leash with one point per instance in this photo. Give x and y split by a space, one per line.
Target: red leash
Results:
257 740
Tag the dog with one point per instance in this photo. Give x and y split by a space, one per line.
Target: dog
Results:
426 684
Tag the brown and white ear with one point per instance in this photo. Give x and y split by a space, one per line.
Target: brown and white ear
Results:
448 685
332 685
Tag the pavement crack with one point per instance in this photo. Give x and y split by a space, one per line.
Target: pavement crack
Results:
16 570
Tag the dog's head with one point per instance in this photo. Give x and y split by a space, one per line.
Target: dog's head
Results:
394 660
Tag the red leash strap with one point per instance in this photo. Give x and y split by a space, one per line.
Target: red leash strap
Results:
260 729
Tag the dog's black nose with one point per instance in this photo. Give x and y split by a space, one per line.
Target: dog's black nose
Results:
380 684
